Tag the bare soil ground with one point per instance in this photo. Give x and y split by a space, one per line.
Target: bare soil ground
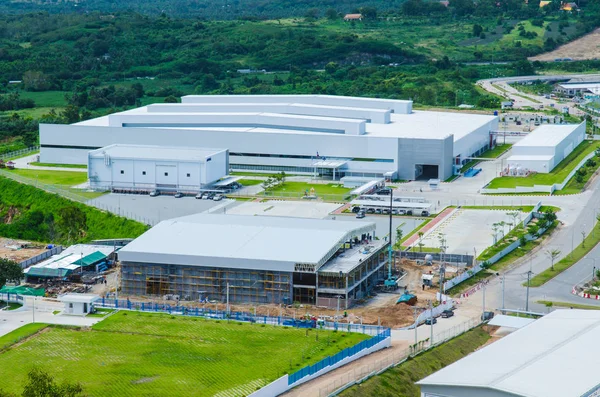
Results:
380 309
586 47
8 251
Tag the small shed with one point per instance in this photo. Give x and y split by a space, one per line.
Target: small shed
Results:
78 304
353 17
427 279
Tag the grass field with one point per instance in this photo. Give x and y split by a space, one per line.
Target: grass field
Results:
46 99
250 182
66 178
19 334
591 240
141 354
558 174
400 380
497 151
301 187
571 305
58 165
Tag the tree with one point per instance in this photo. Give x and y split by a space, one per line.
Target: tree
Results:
171 99
312 13
552 254
421 234
72 222
10 271
331 14
368 12
399 234
42 384
477 30
331 67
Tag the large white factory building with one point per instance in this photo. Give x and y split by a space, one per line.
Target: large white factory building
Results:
329 135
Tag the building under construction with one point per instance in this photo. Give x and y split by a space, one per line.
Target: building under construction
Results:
256 259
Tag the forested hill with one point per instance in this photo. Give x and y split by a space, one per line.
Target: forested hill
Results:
208 9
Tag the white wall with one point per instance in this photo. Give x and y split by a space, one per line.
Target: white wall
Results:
76 308
306 144
200 174
541 166
474 141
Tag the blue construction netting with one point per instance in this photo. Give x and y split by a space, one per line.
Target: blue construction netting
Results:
331 360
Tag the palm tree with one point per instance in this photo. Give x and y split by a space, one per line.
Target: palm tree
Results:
421 234
553 254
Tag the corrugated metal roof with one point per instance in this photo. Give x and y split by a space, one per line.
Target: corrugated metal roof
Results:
551 357
510 321
222 240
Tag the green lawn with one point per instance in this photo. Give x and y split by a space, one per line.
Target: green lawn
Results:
46 99
101 312
558 174
142 354
571 305
20 333
58 165
250 182
496 152
400 380
11 305
299 188
66 178
579 252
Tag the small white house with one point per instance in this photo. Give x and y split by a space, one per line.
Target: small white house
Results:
78 304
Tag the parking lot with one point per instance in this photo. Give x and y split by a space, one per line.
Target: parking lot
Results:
466 230
151 210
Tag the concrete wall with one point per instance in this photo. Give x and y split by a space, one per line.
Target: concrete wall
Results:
274 388
413 151
541 166
77 308
479 138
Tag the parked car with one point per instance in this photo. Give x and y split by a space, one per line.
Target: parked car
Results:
356 210
154 193
430 321
409 212
360 215
386 211
378 210
218 197
199 196
178 195
211 196
371 211
486 316
205 196
401 212
394 212
424 213
447 313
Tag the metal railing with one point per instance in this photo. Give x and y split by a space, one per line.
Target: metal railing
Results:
19 153
332 360
364 372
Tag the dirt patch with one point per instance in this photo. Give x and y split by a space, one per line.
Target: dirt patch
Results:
586 47
18 250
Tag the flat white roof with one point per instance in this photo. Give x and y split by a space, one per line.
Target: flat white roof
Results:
547 135
551 357
239 241
151 152
510 321
78 298
416 124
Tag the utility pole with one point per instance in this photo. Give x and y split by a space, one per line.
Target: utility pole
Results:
529 273
442 274
431 321
227 300
483 303
415 320
503 294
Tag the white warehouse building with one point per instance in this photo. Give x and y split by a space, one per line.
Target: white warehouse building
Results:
155 167
553 356
329 135
544 148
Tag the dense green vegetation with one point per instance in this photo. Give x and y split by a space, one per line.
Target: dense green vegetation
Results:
32 214
141 354
400 380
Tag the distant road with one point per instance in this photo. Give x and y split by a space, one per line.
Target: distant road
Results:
501 86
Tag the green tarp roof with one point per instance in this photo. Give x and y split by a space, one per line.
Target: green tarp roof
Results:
46 272
22 290
90 259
